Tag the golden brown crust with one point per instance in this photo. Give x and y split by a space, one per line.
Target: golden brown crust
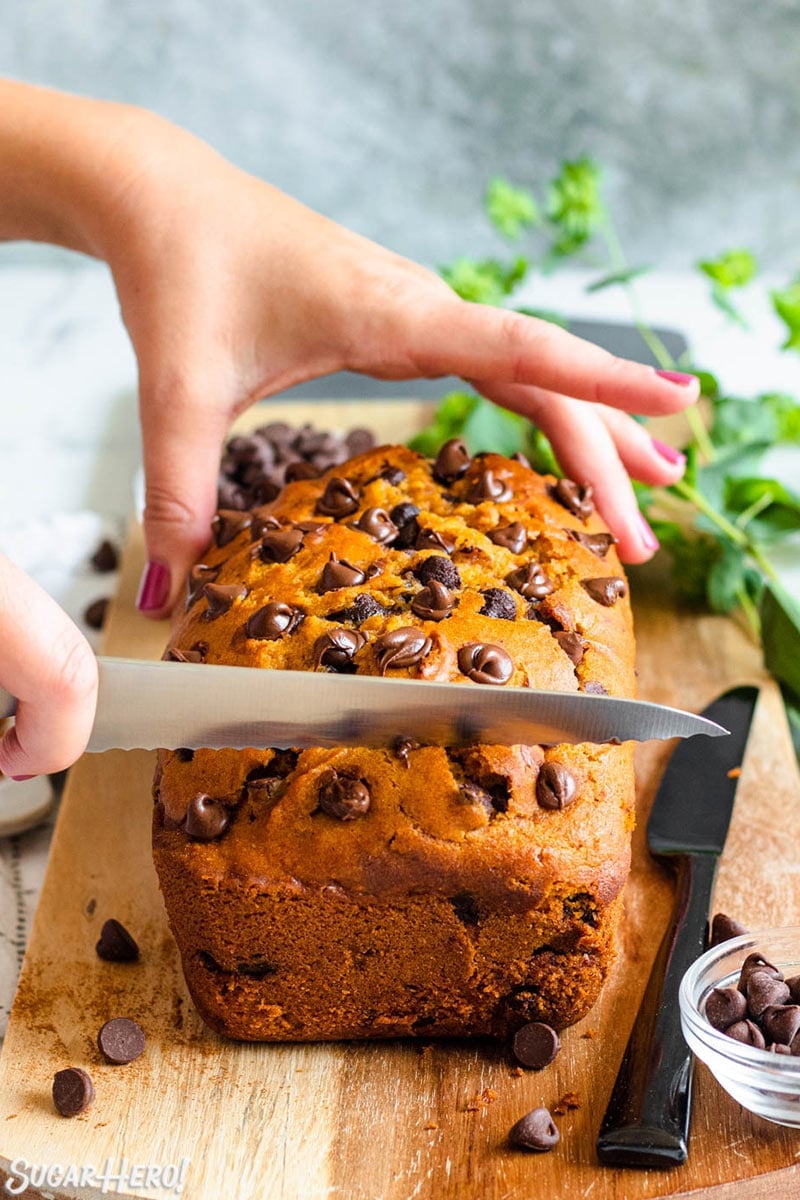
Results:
433 885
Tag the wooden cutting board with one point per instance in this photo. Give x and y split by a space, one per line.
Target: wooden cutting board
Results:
382 1121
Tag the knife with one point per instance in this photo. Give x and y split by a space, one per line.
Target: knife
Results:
647 1120
145 705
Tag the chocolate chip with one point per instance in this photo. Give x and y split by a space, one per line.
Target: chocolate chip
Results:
105 557
279 545
185 755
535 1045
511 537
530 581
358 441
433 603
296 471
116 944
339 499
723 928
746 1032
555 786
755 962
393 475
575 497
452 461
484 662
466 908
499 604
605 591
121 1040
471 793
337 648
227 524
221 597
262 523
339 573
173 654
535 1131
401 648
273 620
405 516
432 539
377 524
95 613
73 1091
764 990
598 543
364 605
724 1006
403 747
343 796
206 818
572 644
488 487
779 1048
442 569
780 1022
793 985
593 688
520 458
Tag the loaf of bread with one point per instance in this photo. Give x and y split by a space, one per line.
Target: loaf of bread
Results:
363 893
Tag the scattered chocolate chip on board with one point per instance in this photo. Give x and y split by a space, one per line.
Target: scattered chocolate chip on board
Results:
535 1131
121 1040
73 1091
115 944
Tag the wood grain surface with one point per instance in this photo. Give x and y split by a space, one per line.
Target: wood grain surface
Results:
382 1121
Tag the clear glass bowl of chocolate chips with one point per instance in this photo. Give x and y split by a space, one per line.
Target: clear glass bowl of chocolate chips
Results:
740 1014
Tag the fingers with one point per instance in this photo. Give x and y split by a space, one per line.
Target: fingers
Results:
644 458
479 342
182 435
586 448
49 666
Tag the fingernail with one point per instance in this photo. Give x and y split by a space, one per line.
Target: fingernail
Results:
673 456
153 588
21 778
648 537
678 377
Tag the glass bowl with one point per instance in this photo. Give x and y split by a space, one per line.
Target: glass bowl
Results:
766 1084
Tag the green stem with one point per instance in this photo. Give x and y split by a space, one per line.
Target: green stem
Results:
736 535
750 611
758 506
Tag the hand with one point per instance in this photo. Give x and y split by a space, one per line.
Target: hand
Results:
47 664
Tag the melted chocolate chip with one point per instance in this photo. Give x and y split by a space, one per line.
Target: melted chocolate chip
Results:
301 470
273 620
405 516
184 656
262 523
488 487
511 537
520 458
73 1091
377 524
483 662
499 604
572 644
120 1040
555 786
227 524
598 543
364 605
401 648
606 591
535 1131
403 747
575 497
221 597
206 818
530 581
116 944
199 575
433 603
452 461
471 793
343 796
337 648
442 569
279 545
339 499
466 908
339 573
393 475
432 539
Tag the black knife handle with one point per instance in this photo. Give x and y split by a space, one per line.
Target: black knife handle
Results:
647 1119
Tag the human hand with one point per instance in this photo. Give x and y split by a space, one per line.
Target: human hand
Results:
47 664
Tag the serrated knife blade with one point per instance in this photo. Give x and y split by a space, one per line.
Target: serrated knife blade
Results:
144 704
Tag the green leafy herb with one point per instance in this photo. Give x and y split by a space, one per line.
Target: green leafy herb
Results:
615 278
733 269
787 305
510 209
574 205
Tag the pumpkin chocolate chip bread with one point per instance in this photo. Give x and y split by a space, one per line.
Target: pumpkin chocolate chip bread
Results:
361 893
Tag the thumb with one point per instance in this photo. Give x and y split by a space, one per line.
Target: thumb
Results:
182 436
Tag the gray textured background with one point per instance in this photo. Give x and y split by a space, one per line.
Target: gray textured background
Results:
390 115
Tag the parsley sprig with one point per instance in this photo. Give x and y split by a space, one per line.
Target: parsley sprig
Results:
720 522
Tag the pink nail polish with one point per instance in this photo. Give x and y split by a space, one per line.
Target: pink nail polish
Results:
648 537
673 456
21 778
154 587
678 377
